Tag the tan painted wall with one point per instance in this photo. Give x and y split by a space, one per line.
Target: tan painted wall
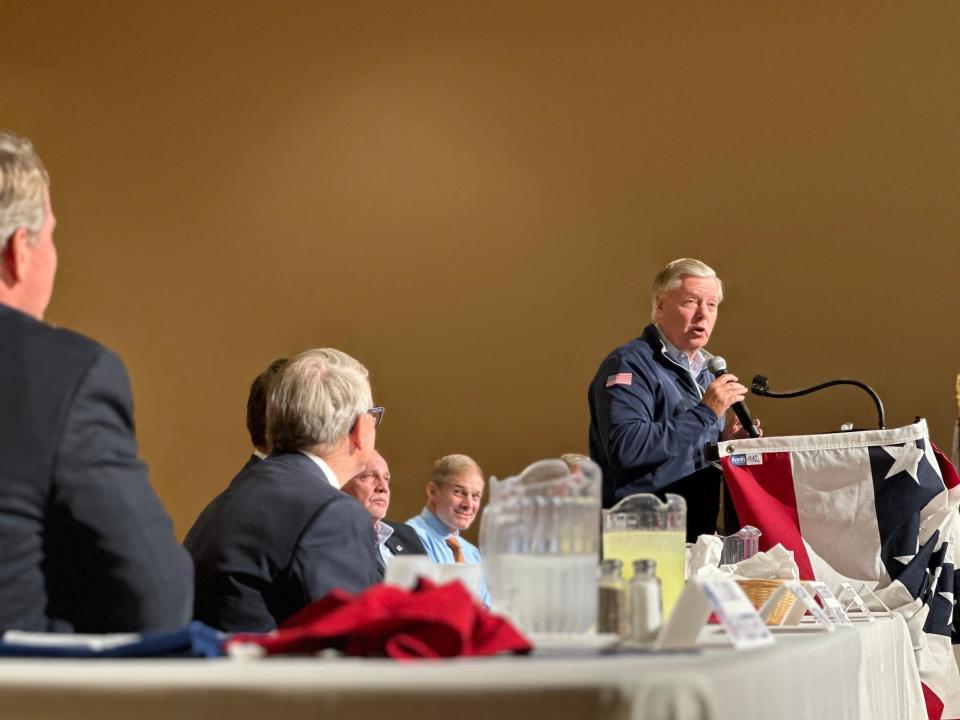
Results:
472 198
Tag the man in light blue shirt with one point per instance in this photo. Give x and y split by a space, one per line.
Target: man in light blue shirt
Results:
453 500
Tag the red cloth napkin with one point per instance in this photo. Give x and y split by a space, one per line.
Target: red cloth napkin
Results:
431 621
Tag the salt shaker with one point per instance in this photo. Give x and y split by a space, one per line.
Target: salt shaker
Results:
646 601
612 616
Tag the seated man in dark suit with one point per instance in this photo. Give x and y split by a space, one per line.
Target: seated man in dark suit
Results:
371 488
85 544
257 411
283 534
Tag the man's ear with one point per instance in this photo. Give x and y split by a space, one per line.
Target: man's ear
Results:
357 437
16 255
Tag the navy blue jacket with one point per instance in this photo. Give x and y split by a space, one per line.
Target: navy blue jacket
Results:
85 544
650 432
279 537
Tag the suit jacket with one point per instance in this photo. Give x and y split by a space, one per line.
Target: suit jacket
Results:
279 537
404 540
85 544
252 460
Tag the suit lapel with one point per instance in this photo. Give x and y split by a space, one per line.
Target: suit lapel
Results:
396 545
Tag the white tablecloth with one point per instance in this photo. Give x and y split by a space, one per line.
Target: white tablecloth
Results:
866 672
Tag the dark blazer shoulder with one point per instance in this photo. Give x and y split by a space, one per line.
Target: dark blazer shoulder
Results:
42 334
109 560
251 461
295 473
58 358
277 497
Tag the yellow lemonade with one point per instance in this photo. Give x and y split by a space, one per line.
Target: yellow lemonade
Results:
667 548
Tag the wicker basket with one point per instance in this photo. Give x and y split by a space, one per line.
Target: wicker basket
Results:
759 591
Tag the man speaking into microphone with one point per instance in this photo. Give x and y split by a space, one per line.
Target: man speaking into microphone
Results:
655 403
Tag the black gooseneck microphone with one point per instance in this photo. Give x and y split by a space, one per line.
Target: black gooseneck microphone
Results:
718 366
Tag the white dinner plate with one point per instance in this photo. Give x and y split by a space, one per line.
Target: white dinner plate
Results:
560 642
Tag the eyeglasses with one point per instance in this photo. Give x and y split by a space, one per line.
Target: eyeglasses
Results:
377 413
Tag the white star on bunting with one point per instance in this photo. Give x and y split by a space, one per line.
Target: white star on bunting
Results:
905 459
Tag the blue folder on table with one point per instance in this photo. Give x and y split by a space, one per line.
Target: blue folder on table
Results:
193 640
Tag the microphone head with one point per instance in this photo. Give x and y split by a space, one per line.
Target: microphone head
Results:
717 365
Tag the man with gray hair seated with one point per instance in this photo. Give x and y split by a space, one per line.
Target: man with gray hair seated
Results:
85 544
453 501
371 488
283 534
655 405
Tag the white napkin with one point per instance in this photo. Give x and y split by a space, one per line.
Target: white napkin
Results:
705 553
776 563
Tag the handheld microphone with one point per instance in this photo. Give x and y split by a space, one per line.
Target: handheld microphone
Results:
718 366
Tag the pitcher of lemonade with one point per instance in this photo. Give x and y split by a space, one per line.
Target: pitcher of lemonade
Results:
642 526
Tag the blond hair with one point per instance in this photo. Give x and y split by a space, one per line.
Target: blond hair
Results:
450 467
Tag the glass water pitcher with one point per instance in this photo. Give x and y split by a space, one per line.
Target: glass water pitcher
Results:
540 542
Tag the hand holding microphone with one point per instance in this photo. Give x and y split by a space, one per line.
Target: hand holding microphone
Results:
725 392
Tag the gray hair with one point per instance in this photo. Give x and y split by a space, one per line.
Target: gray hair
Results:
453 466
23 179
315 400
672 275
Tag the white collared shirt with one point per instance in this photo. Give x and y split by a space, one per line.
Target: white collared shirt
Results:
383 532
328 473
692 365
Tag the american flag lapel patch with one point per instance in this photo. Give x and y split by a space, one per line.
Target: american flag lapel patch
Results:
620 379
